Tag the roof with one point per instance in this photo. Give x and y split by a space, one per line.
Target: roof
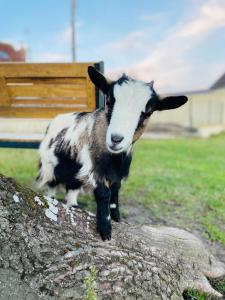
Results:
220 83
8 53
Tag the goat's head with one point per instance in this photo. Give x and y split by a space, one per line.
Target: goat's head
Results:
129 104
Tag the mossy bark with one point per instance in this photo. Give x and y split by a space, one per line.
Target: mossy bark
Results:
47 251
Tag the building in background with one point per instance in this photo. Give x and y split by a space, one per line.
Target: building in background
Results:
219 84
205 108
8 53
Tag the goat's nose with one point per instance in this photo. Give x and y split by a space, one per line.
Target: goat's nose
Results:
116 138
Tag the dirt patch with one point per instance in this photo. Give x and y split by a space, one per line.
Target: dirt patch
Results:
135 213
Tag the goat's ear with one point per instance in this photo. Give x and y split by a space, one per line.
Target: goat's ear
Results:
171 102
99 80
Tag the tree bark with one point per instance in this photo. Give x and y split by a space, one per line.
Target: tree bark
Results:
46 251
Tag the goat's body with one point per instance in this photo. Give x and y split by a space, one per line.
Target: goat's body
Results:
73 154
93 150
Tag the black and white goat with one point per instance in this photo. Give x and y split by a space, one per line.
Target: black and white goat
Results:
94 150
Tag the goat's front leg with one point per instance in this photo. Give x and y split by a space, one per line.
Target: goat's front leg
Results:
102 197
114 201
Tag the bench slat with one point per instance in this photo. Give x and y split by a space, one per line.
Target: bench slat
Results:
42 90
30 141
40 112
19 144
46 80
44 69
48 101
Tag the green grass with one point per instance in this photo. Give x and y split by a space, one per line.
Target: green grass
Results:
20 164
179 180
192 294
89 283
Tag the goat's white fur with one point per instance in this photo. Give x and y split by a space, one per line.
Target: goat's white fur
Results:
71 197
113 205
48 159
86 170
73 135
131 99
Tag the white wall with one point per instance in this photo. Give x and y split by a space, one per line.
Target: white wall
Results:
202 109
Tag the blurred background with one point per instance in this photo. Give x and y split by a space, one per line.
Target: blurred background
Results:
178 173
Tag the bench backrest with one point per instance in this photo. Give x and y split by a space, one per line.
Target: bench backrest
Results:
33 90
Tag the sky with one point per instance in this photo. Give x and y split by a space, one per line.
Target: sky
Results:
180 44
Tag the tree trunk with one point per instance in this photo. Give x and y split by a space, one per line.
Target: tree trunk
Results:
46 251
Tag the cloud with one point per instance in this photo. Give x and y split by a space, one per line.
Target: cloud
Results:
211 17
50 57
169 62
132 40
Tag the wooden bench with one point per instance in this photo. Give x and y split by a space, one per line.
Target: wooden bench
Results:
40 92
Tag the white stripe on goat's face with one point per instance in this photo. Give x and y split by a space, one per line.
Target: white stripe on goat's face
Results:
131 98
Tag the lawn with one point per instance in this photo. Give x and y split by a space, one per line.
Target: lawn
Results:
178 181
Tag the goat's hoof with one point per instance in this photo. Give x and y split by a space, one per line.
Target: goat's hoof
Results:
115 216
105 231
105 236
